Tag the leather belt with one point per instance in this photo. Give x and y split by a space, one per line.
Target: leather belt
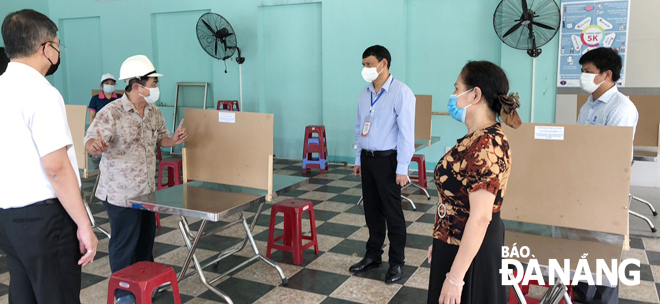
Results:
370 153
48 201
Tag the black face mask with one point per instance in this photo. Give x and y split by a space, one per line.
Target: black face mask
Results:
53 66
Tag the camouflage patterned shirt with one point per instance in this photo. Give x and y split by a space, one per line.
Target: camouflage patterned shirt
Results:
128 166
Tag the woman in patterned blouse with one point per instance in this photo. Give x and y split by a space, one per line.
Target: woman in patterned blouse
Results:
471 179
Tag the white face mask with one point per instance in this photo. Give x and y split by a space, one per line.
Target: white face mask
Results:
154 94
108 88
588 84
370 74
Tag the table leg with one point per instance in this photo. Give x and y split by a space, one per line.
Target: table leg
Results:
186 227
92 221
516 289
191 248
88 205
265 259
191 256
96 184
229 252
567 298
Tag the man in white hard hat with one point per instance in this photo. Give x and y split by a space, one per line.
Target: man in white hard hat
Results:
127 132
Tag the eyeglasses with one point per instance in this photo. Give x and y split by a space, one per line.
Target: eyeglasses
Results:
61 47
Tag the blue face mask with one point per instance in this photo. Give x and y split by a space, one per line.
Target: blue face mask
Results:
454 111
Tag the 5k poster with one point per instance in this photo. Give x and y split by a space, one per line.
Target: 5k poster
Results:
586 25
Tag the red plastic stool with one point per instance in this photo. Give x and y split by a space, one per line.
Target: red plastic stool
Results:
229 105
420 179
174 168
513 299
315 145
141 279
293 210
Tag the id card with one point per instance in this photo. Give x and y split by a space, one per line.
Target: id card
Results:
365 129
367 124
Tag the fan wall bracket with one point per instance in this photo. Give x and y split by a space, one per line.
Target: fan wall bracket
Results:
534 53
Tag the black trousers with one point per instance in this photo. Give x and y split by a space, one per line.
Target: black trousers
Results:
132 241
483 281
597 294
42 252
382 207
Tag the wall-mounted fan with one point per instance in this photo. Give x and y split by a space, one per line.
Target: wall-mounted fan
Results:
527 25
217 38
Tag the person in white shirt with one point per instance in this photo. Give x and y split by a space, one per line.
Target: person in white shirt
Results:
606 106
44 230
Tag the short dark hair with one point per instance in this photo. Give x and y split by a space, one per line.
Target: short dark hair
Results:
141 81
492 81
380 52
604 59
24 31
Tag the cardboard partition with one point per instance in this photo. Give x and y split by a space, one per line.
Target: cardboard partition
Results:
648 107
570 176
76 115
97 92
423 110
232 148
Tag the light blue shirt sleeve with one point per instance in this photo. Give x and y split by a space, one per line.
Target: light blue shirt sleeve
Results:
405 119
358 131
626 115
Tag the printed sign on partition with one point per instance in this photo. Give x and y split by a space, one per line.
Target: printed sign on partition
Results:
227 117
586 25
549 133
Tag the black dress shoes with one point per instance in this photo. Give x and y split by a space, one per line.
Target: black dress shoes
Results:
364 265
394 274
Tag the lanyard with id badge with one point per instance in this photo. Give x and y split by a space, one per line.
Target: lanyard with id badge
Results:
370 117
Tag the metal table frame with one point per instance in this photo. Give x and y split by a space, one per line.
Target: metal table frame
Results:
643 157
88 206
521 296
192 242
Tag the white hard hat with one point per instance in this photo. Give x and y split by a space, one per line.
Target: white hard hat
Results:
107 77
137 66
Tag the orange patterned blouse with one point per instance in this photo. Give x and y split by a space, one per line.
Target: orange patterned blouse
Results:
480 160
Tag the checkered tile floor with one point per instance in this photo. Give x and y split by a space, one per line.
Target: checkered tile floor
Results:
323 278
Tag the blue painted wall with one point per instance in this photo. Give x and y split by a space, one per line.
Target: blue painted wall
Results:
442 37
9 6
429 41
518 66
82 38
292 82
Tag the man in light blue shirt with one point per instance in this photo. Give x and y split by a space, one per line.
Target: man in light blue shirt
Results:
384 132
606 106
